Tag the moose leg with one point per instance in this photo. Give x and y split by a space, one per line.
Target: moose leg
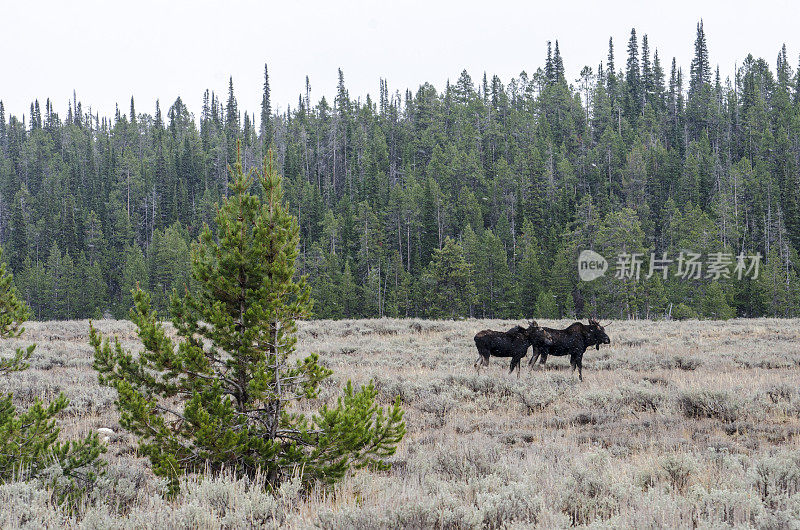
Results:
534 355
580 368
514 364
483 360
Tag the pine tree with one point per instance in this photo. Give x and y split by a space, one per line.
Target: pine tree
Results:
3 132
449 290
699 85
168 264
633 96
229 376
621 234
529 278
612 74
648 81
266 114
700 68
19 233
134 274
56 301
714 304
658 82
562 275
90 303
349 289
558 66
497 278
796 102
546 306
674 107
29 442
13 314
232 130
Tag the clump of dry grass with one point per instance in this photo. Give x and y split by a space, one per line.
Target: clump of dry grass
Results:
677 424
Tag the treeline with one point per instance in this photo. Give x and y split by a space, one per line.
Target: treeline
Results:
471 201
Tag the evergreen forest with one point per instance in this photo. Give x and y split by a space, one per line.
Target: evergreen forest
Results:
473 200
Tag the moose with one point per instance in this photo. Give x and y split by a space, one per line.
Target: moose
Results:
513 343
572 341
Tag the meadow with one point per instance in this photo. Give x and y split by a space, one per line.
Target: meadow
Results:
677 424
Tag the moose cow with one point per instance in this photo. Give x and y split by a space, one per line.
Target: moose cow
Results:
513 343
572 341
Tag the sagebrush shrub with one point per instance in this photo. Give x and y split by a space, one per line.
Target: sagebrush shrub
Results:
590 495
708 404
678 470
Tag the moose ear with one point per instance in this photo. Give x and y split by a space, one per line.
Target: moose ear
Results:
534 324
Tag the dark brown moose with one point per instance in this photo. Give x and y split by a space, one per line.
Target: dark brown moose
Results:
572 341
513 343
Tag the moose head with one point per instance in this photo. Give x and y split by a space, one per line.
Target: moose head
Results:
537 335
597 333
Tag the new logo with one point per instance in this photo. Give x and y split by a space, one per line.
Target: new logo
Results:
591 265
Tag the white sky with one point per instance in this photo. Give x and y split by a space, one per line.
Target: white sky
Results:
108 50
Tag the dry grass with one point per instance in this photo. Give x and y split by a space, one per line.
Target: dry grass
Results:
677 424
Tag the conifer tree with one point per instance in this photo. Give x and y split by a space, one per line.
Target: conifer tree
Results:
714 304
658 82
612 74
529 278
29 441
134 273
231 387
699 85
558 65
633 96
448 280
700 68
19 236
545 306
232 131
13 313
2 128
495 297
796 102
648 81
266 114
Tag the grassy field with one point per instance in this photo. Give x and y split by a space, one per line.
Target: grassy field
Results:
677 424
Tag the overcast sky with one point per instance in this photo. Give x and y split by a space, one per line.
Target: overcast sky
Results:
107 51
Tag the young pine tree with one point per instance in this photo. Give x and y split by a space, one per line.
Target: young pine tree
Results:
226 393
29 446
